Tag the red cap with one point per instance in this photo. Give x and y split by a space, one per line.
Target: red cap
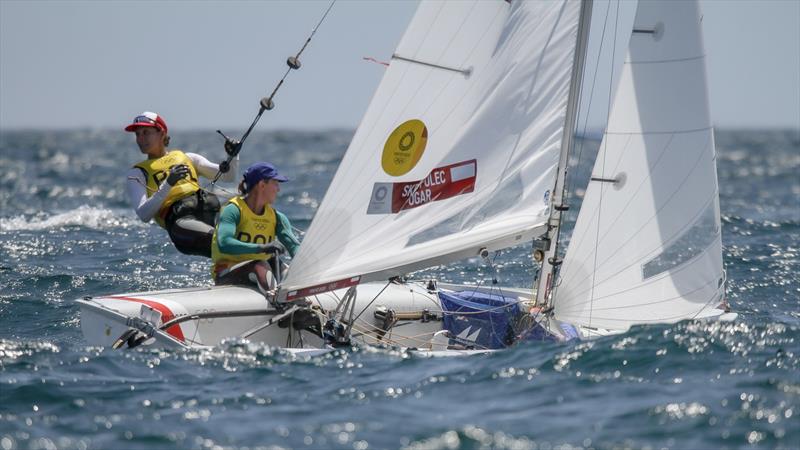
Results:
147 119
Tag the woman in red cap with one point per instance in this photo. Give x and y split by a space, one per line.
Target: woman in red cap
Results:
250 231
165 187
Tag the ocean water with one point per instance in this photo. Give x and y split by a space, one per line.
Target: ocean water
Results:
66 232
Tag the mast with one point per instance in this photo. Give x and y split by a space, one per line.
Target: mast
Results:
551 261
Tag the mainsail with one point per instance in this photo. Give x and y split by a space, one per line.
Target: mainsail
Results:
646 245
458 149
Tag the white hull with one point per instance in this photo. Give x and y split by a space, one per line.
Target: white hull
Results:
416 306
495 103
418 311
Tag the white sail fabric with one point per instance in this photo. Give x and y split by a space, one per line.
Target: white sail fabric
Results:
489 81
646 248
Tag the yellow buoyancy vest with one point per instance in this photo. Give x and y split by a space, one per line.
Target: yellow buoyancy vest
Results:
157 170
253 228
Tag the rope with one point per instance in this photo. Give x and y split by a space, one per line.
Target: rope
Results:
372 301
148 188
571 181
266 103
602 186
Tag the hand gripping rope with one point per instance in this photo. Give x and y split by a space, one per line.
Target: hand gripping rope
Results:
233 146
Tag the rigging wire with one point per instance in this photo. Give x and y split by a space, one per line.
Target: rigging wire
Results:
364 328
266 103
518 326
572 180
373 300
604 150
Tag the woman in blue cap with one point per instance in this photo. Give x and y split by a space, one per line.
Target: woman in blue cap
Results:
250 231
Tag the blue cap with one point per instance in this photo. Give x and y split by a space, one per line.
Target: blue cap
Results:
261 171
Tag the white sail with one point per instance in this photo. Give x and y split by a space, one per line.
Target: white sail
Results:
458 148
646 246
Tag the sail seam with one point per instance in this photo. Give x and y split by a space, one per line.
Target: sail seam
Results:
579 242
638 189
680 296
666 61
646 133
713 298
678 269
637 305
643 258
663 318
595 213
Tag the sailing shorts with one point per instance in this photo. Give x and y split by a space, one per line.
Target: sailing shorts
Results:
190 223
246 273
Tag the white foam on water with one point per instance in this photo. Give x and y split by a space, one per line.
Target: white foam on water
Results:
83 216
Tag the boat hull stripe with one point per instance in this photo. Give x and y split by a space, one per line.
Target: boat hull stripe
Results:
166 314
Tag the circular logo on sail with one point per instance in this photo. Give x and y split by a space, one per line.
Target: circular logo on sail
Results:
404 147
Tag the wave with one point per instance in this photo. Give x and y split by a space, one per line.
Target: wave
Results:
84 216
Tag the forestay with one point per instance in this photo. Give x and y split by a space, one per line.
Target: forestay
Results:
646 246
458 148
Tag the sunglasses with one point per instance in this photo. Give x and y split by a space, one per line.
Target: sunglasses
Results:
144 119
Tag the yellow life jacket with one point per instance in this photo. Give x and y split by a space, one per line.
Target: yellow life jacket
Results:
157 170
253 228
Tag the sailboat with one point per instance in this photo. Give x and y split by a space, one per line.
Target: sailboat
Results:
464 151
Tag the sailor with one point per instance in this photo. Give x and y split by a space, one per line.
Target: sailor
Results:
251 232
165 188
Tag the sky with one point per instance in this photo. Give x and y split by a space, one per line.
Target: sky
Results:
206 64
